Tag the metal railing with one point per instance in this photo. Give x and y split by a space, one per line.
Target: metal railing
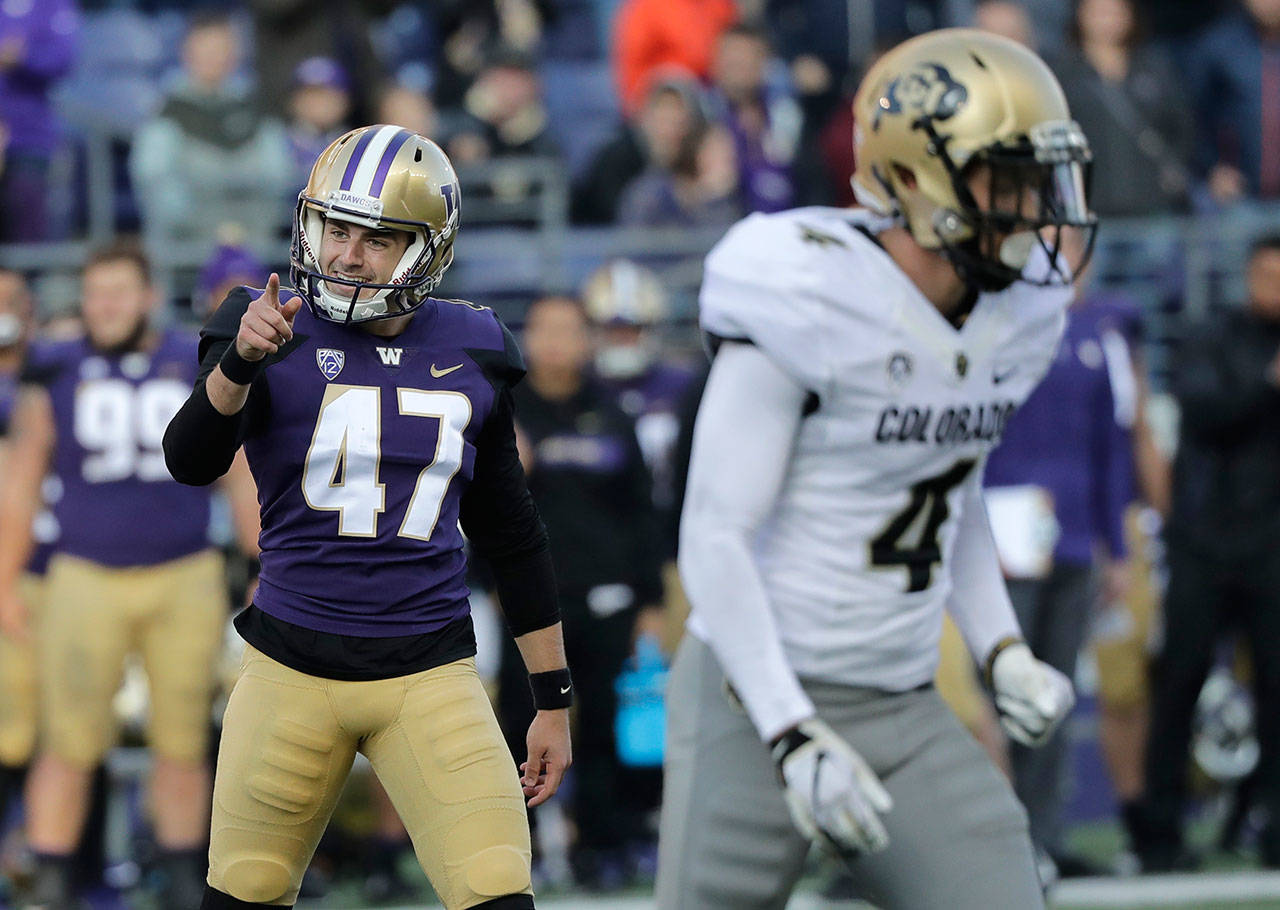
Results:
516 242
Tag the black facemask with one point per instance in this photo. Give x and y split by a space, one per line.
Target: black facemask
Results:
1046 174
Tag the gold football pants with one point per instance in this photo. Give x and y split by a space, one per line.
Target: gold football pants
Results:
288 741
18 689
1121 641
172 613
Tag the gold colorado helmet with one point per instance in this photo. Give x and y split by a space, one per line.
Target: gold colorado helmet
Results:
385 178
939 107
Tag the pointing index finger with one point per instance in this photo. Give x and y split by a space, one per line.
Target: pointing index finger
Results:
273 290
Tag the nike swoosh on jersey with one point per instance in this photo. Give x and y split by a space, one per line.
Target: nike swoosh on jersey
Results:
436 374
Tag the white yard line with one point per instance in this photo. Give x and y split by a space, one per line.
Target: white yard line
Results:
1167 890
1076 894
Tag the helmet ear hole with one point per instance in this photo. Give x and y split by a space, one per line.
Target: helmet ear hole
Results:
905 175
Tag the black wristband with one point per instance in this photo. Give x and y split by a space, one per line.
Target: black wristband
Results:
237 369
552 690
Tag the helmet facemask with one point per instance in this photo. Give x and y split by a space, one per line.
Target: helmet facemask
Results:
1035 192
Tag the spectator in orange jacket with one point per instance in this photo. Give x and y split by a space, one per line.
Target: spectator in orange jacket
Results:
662 35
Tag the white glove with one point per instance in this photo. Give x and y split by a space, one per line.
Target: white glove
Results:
833 794
1031 696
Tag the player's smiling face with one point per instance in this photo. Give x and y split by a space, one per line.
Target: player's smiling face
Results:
359 253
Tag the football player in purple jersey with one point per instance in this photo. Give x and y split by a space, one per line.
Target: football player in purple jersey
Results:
378 425
17 657
134 571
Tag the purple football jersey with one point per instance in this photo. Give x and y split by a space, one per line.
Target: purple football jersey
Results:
654 398
119 506
8 398
46 526
362 447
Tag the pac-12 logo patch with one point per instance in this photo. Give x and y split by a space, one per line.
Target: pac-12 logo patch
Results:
330 362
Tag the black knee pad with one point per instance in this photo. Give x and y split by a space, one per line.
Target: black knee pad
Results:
216 900
510 902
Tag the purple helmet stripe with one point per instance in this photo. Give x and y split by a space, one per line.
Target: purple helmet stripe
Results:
354 161
380 175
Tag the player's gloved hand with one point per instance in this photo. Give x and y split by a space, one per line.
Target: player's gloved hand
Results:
834 797
1031 696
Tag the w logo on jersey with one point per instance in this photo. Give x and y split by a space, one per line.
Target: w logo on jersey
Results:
330 362
390 356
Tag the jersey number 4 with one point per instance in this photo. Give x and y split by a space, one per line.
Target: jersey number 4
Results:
911 537
341 471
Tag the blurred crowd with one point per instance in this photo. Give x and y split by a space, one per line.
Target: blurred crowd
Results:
1138 548
660 113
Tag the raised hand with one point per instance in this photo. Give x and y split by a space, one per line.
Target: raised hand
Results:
266 325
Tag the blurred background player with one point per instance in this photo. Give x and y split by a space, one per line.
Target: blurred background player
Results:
587 473
17 647
629 308
19 677
1224 568
134 572
1068 452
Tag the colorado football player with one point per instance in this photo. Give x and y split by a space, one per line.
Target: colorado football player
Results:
376 419
866 363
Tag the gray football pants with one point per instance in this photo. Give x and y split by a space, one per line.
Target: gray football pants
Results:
957 836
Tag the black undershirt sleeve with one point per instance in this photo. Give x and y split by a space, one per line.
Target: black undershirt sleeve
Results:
500 519
200 443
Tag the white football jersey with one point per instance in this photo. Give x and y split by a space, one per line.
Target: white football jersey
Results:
856 556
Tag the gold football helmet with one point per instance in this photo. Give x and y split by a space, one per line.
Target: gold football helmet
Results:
936 109
622 292
382 177
626 301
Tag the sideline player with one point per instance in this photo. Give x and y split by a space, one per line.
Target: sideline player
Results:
375 420
133 571
18 714
867 362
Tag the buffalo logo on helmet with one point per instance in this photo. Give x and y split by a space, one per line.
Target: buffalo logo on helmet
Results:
330 362
928 89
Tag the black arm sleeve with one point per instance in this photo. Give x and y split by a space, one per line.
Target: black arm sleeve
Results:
502 522
200 443
645 529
